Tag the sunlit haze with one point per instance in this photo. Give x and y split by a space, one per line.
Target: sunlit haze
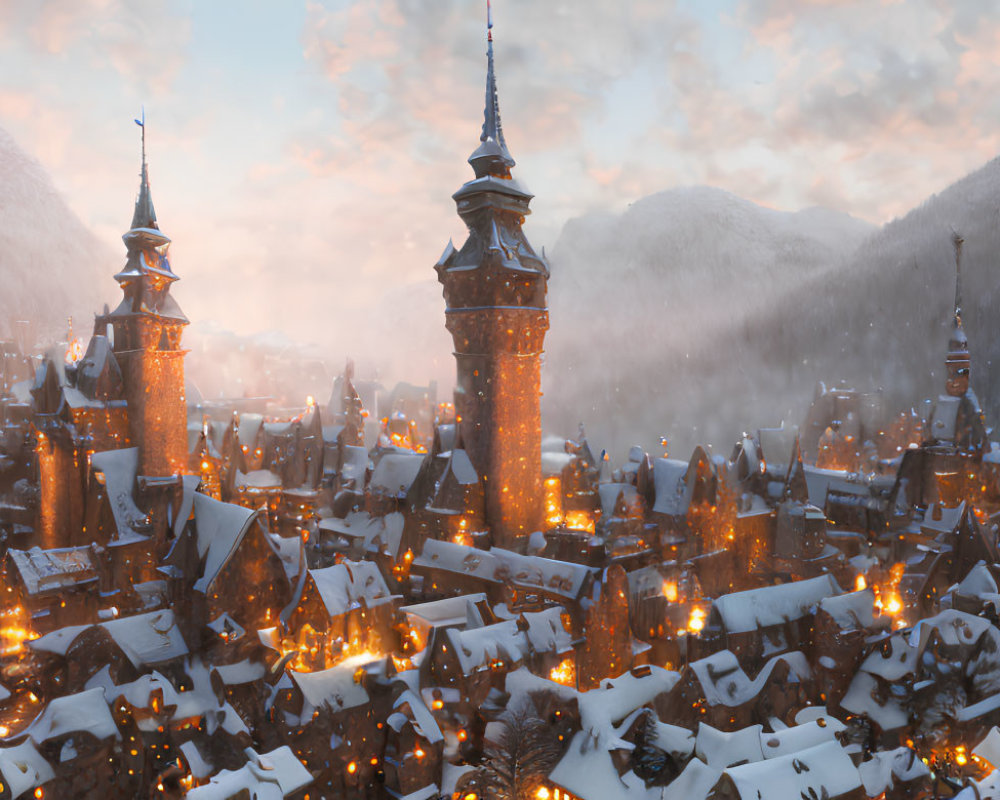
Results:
303 156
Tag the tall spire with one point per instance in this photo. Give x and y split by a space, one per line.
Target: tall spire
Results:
957 360
144 215
492 156
145 242
957 241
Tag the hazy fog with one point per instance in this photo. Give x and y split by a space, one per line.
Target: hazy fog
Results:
692 315
51 266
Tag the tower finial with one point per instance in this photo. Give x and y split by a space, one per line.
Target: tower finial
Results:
141 122
145 214
492 156
957 242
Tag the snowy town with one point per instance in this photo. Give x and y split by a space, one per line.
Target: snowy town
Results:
404 593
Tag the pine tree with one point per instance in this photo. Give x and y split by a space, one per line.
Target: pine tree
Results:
654 765
516 765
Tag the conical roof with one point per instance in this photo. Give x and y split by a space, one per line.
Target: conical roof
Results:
492 156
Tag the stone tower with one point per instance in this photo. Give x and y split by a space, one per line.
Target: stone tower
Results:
147 327
494 291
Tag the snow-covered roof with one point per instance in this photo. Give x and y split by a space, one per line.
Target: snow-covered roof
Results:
818 481
546 633
395 472
422 719
978 581
477 647
723 749
335 687
695 782
139 694
646 581
851 610
200 700
821 771
560 577
279 427
379 533
150 638
587 771
224 624
47 570
674 739
345 585
952 626
250 425
444 612
58 641
947 519
74 713
200 768
668 478
119 468
497 565
989 748
586 768
554 462
355 465
331 432
245 671
189 484
601 709
289 550
460 465
723 681
880 773
220 528
746 611
800 737
609 494
271 776
976 711
23 768
257 479
894 659
860 699
440 554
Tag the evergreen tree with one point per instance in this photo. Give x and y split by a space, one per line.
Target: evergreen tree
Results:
651 763
516 765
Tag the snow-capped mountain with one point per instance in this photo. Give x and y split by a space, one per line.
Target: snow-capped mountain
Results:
696 314
51 265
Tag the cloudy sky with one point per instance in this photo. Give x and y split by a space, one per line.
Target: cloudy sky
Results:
303 155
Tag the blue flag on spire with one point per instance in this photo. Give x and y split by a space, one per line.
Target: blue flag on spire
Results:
142 122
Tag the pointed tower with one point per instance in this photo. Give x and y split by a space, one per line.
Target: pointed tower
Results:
494 291
957 361
958 418
146 329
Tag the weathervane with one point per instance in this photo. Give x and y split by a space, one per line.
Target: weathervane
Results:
141 122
